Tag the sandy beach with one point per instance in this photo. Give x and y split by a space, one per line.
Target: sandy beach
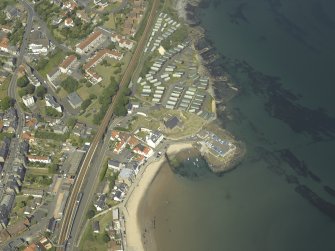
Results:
137 192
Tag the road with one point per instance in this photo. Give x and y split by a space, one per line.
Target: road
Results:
70 210
23 48
14 147
90 186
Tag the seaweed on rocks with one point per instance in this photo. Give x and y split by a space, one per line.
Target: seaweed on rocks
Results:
320 203
272 161
298 166
192 18
329 190
238 15
282 104
291 179
314 176
202 44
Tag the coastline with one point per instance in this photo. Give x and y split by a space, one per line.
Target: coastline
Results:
136 238
139 235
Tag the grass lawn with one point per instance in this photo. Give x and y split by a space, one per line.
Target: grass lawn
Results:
110 24
39 181
87 117
191 123
208 104
91 241
54 61
84 92
107 71
17 212
62 93
112 6
146 122
4 87
38 171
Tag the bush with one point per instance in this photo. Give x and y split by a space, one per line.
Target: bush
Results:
41 91
92 96
22 204
105 237
71 122
51 112
86 103
30 89
90 213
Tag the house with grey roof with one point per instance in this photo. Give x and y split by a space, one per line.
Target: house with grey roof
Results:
51 102
115 165
96 227
74 100
126 176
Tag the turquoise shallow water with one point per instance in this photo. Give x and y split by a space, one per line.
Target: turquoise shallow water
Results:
281 53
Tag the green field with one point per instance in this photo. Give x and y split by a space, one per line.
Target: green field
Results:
94 242
53 61
4 88
110 24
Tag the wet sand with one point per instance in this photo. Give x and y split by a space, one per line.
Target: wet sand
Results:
138 237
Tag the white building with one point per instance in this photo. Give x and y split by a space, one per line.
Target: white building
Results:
39 159
92 41
38 43
50 101
154 139
115 165
68 62
28 100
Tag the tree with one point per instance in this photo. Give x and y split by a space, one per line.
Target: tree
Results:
22 204
70 84
92 96
23 81
90 213
41 91
71 122
86 103
53 168
105 237
30 89
51 112
6 102
22 92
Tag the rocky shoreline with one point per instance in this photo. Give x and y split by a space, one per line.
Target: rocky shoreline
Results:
223 88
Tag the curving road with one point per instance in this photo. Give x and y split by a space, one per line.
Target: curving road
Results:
70 211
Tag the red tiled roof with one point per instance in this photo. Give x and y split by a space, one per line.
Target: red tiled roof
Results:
35 157
68 61
93 36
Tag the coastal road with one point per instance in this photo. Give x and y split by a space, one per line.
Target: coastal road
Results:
70 210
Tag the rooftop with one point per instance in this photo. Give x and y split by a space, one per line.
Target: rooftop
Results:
89 39
68 61
74 99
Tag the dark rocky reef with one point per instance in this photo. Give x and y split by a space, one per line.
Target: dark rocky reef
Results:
323 205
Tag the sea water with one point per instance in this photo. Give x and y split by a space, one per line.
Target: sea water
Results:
281 54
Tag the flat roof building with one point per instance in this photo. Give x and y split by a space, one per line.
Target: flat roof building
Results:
74 100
